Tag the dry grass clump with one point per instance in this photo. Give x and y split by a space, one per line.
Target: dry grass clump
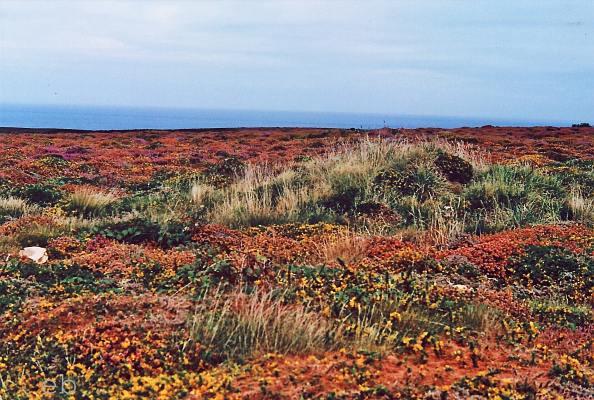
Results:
232 325
14 207
89 202
261 197
8 245
347 247
200 192
324 187
38 233
508 196
581 208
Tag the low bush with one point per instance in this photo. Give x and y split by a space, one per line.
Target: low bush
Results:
453 167
559 313
57 278
42 194
554 267
13 292
141 230
421 182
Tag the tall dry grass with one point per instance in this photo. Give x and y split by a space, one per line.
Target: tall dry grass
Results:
263 195
89 202
582 208
14 207
237 324
347 247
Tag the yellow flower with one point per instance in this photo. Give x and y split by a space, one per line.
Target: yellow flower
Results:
396 315
353 302
406 340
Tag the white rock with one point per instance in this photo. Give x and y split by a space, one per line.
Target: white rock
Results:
37 254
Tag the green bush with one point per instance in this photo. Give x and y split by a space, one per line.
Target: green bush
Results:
422 182
510 186
551 266
455 168
43 194
224 172
141 230
561 314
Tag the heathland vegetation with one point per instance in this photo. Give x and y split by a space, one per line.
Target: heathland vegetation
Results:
363 265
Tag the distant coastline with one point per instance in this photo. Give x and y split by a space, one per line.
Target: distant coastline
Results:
87 118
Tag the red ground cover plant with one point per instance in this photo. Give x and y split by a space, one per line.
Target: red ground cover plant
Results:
111 158
492 252
123 304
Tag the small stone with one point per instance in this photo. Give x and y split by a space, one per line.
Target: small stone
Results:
37 254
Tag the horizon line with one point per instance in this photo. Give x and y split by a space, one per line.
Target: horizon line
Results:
488 120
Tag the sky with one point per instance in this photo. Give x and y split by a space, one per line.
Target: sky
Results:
468 58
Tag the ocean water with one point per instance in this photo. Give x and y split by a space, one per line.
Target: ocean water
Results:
111 118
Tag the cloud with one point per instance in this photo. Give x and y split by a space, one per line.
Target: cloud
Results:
327 54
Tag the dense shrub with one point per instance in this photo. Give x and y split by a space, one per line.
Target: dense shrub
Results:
224 172
460 265
560 314
142 230
43 194
228 166
344 199
455 168
553 266
511 186
421 182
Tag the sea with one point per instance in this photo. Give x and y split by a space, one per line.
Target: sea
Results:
122 118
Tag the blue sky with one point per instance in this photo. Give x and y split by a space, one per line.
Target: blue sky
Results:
477 58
